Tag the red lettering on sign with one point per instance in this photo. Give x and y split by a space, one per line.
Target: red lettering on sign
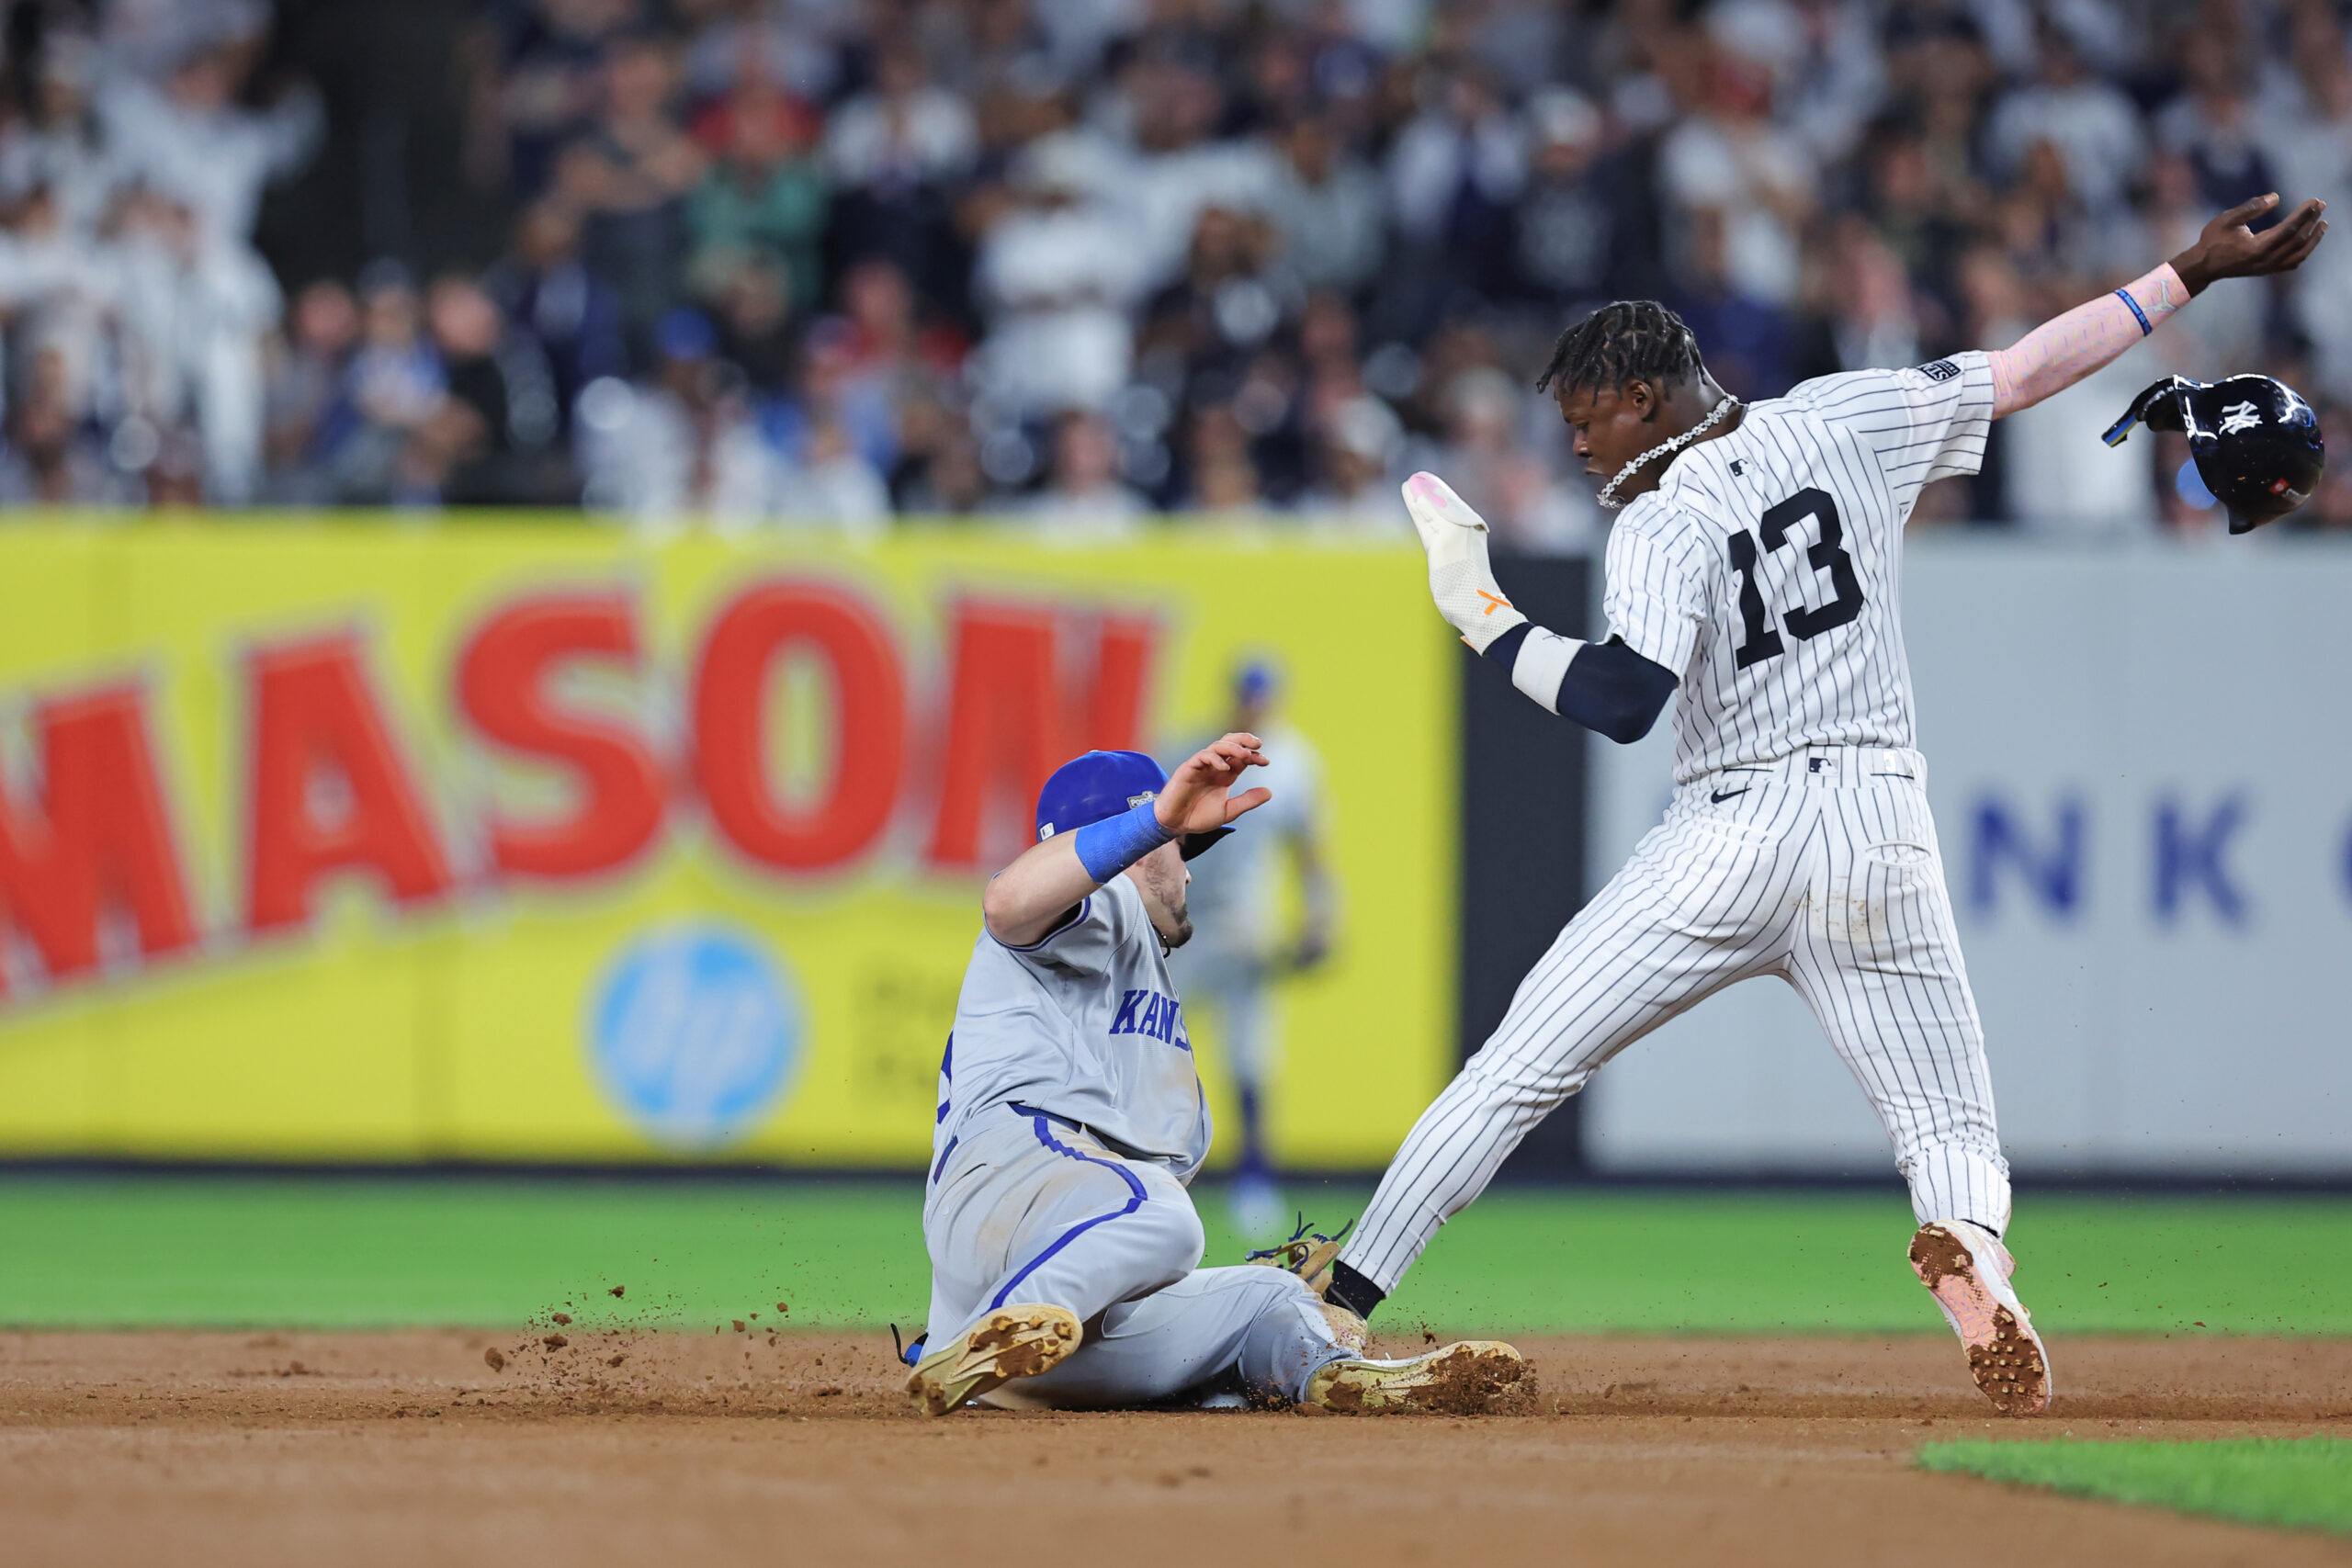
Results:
502 684
1013 717
99 838
1113 702
329 791
870 706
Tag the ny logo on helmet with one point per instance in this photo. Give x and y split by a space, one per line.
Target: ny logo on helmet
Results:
2240 416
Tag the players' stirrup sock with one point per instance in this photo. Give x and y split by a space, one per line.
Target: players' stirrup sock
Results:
1353 1292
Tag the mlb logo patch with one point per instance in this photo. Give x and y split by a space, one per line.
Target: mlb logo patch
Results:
1939 370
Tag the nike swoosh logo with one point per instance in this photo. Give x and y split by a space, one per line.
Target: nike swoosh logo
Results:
1494 603
1723 795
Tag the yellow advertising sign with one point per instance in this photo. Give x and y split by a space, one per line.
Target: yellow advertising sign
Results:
541 842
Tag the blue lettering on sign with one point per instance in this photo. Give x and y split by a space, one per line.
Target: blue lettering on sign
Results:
2190 855
2052 874
1151 1013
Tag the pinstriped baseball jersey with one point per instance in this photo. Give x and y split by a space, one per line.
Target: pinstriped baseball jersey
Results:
1765 568
1764 573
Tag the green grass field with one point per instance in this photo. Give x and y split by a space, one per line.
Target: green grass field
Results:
2298 1482
135 1251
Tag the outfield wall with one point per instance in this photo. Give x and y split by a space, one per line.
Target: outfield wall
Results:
2140 764
540 843
373 842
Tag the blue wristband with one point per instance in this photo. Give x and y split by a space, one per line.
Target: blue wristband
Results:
1109 847
2146 326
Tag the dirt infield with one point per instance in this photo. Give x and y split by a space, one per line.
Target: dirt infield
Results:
255 1450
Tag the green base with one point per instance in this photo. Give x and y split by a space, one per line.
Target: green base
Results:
2298 1482
136 1251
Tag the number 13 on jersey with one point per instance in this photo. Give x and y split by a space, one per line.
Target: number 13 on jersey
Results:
1761 640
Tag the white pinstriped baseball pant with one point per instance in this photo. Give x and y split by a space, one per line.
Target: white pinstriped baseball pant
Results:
1822 868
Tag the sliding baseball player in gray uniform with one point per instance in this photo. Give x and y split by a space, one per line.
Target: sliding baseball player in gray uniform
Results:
1754 578
1063 1247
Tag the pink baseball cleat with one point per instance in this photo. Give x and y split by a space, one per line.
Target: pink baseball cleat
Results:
1967 1270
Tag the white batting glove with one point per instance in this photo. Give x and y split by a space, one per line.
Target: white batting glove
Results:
1460 580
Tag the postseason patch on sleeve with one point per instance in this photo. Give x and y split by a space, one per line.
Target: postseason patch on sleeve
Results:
1939 370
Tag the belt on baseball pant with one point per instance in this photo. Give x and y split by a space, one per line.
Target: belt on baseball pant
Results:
1055 1116
1114 1144
1026 1113
1845 766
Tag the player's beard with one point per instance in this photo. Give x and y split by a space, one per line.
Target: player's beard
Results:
1163 885
1179 930
1172 920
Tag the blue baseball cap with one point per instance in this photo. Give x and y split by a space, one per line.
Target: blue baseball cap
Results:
1101 784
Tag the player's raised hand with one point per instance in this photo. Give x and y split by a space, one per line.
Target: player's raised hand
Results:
2229 248
1198 795
1460 580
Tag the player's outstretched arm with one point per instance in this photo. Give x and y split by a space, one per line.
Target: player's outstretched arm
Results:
2059 353
1606 687
1035 892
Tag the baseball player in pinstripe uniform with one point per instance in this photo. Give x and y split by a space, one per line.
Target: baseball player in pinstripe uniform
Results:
1065 1253
1754 578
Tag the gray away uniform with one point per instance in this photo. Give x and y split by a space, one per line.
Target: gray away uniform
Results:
1070 1119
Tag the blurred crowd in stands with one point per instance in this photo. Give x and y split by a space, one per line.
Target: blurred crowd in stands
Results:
1084 261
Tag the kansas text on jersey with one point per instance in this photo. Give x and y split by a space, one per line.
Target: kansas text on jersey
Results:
1082 1022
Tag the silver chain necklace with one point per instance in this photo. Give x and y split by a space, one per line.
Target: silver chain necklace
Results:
1608 496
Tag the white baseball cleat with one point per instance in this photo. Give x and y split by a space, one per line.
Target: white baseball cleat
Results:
1010 1342
1967 1270
1460 580
1461 1379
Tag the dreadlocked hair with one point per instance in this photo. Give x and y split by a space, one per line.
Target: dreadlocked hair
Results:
1633 340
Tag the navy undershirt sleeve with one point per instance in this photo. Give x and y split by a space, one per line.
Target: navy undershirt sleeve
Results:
1612 690
1608 687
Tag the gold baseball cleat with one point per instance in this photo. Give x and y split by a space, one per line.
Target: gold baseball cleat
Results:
1010 1342
1462 1379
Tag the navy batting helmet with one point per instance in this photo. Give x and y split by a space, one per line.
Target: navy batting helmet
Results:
2255 443
1103 784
